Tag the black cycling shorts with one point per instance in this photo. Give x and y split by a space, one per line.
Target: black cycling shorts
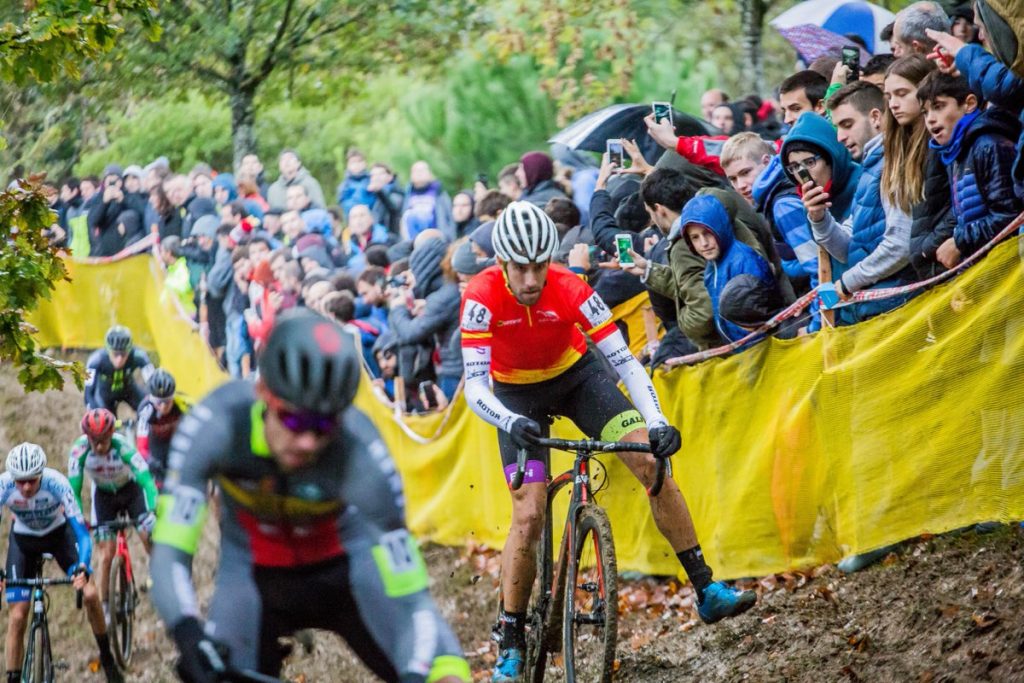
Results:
25 556
586 393
289 605
107 505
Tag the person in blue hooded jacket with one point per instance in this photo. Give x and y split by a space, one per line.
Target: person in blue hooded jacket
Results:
709 234
812 144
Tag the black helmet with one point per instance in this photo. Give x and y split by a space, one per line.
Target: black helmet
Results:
119 338
310 362
161 384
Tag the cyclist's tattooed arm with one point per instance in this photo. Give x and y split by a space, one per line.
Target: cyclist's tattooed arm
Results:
632 374
477 363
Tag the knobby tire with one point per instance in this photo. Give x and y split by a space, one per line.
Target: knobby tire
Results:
591 596
122 613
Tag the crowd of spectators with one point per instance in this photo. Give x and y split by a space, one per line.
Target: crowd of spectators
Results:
872 180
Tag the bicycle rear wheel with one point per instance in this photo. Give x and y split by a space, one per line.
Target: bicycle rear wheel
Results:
590 626
122 612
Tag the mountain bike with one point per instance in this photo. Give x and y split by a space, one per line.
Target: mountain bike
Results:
574 602
37 665
122 596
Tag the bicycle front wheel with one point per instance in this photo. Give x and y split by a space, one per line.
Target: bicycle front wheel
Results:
591 617
122 612
36 667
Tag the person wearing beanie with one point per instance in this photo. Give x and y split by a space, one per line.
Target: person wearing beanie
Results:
536 174
482 240
439 318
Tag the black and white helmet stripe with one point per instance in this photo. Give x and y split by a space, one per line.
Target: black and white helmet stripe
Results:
525 234
26 461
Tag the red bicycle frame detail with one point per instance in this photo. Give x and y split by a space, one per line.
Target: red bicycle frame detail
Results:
122 550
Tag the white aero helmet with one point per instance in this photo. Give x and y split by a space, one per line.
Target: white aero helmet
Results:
525 234
26 461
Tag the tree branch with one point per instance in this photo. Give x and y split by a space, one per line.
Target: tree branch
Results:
326 31
269 59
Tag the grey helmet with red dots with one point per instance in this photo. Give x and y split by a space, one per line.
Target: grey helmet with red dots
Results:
311 363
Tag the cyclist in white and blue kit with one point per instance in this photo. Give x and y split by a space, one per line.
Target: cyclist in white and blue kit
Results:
47 519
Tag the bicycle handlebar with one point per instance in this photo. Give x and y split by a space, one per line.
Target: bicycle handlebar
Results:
40 582
663 467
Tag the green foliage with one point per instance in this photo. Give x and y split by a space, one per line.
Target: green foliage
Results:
54 38
483 116
43 41
29 267
186 131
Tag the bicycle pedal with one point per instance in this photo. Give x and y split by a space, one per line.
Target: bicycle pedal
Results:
589 587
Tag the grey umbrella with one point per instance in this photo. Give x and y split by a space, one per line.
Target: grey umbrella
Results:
625 121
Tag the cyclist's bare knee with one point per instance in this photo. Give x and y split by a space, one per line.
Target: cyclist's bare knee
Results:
528 508
642 465
89 593
17 617
107 550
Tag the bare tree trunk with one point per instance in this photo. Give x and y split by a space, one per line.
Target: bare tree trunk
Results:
243 120
751 26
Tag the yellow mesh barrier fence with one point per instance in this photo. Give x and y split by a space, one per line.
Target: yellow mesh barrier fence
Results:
127 292
794 453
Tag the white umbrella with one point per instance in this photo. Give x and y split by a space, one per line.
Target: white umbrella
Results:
841 16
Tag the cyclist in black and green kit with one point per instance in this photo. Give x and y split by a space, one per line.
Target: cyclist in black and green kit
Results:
312 522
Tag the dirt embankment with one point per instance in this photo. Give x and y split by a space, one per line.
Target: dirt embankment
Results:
943 609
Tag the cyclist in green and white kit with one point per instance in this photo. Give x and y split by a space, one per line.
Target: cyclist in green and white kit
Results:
121 482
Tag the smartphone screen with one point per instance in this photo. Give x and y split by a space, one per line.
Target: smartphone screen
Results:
851 58
623 244
662 110
614 151
804 176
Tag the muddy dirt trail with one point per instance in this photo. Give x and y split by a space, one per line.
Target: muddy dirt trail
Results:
949 608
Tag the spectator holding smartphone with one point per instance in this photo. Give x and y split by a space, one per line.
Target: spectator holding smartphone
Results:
871 248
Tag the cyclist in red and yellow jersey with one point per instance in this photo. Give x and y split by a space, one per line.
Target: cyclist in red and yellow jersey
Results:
524 323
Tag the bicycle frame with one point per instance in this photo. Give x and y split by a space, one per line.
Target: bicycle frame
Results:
552 575
40 620
122 551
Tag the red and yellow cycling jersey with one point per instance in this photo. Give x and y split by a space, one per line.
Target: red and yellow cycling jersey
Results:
533 343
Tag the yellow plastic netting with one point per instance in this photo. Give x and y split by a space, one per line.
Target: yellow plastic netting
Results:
795 452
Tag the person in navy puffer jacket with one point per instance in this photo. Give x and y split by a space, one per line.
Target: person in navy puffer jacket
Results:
709 234
978 149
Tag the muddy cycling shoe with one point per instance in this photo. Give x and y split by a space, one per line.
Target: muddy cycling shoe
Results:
721 601
509 667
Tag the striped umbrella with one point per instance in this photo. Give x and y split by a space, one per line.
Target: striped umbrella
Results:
840 16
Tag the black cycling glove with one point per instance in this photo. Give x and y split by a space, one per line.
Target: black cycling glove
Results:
203 659
524 432
665 441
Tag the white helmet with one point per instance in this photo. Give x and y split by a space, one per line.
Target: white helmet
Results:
26 461
525 234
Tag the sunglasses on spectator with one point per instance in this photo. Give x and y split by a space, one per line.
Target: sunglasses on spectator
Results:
301 421
807 164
